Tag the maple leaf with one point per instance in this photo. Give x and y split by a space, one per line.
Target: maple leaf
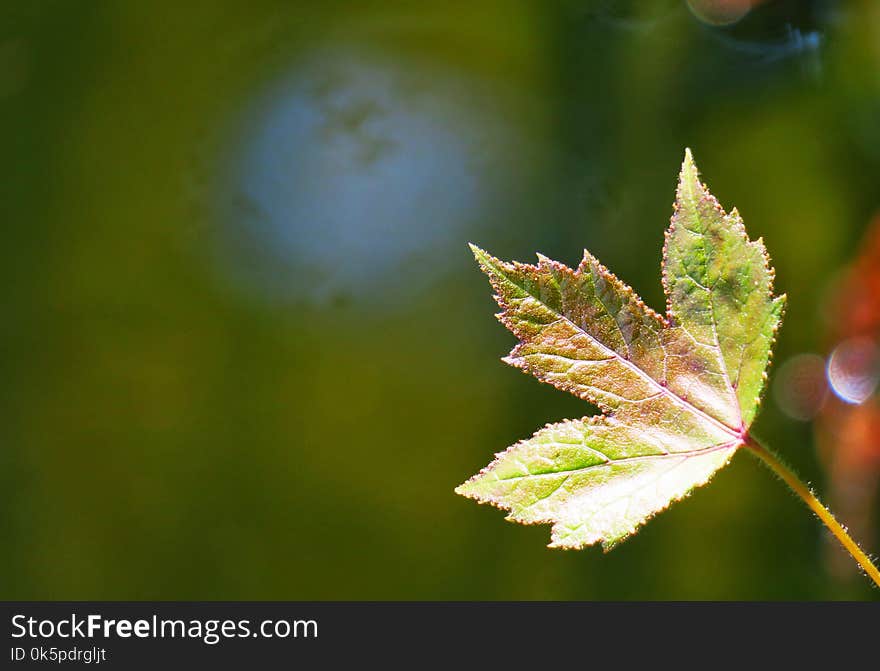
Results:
677 394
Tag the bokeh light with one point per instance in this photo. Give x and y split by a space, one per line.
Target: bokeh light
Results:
356 167
854 369
720 12
799 386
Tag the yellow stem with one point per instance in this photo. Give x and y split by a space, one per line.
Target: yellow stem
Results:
815 505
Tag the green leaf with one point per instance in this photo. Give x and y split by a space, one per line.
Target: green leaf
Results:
678 394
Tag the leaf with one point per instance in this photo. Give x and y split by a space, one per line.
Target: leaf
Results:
677 394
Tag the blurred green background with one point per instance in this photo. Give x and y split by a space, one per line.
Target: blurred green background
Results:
246 353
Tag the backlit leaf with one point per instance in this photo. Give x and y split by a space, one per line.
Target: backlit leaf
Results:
677 394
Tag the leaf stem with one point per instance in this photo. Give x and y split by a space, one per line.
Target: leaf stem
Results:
801 489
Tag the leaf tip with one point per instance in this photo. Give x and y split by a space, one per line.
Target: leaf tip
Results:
689 170
466 488
488 263
478 253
